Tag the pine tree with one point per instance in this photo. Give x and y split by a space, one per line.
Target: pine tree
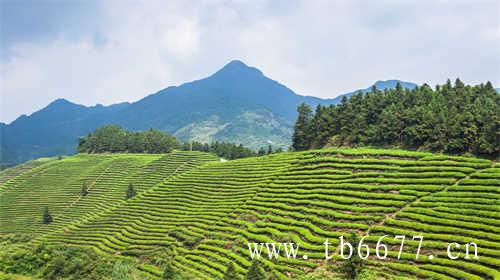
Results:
261 151
452 118
301 135
130 192
47 218
255 272
230 273
354 264
85 189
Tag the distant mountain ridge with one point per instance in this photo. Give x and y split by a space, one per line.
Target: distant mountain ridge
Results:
238 104
381 85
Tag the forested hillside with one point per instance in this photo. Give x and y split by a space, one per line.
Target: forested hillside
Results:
193 215
454 119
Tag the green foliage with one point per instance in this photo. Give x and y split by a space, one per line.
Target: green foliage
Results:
60 262
255 271
56 183
85 189
113 139
168 272
354 264
47 218
202 219
452 119
130 191
301 135
230 273
221 149
4 166
124 269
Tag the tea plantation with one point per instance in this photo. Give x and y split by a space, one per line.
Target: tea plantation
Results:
201 212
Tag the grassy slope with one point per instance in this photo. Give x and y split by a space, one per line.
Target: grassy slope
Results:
8 176
58 184
208 214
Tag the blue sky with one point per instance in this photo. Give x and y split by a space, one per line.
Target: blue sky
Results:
111 51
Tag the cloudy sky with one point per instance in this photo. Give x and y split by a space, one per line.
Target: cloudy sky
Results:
112 51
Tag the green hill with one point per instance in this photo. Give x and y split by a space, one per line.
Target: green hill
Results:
202 212
57 184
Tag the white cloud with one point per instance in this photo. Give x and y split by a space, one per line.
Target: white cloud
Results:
320 48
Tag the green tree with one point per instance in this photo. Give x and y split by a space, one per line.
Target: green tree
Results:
85 189
255 272
354 264
168 271
230 273
47 218
269 149
113 139
130 192
301 135
452 118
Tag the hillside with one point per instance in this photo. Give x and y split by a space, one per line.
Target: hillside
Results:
58 185
204 216
236 104
452 118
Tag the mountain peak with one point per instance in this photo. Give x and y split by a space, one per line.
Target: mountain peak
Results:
236 63
238 67
62 103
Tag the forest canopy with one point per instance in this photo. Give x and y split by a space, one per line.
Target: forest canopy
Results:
222 149
114 139
454 119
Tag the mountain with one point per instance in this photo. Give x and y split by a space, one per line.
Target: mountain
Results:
51 131
238 103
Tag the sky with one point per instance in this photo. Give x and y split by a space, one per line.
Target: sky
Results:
108 51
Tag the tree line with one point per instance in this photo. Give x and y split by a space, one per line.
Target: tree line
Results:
228 150
451 118
114 139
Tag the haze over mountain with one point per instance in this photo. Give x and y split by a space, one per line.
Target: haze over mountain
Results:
238 104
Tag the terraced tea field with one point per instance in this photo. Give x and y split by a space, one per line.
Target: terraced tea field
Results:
57 184
203 212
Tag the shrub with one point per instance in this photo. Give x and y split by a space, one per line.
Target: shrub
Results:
85 189
255 272
47 218
354 264
168 272
231 273
130 192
